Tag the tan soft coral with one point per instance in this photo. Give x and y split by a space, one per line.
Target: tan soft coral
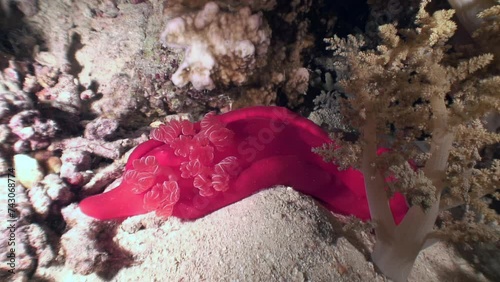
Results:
467 10
488 33
413 86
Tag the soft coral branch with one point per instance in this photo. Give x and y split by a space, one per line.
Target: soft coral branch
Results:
414 88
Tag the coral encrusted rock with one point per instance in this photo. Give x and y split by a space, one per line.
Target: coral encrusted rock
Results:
222 47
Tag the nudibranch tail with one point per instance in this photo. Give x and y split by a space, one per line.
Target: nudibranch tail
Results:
117 203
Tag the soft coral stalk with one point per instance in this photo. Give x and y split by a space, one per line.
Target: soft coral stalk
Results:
189 170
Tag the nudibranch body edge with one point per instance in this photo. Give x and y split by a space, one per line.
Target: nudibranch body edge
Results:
189 170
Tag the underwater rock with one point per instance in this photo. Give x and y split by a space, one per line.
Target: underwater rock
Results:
27 7
100 128
56 189
51 190
40 201
64 96
33 131
28 170
80 245
75 166
39 241
13 102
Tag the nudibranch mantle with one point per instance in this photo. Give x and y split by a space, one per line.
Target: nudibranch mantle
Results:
189 170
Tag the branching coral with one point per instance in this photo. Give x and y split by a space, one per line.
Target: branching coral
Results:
488 32
467 11
411 87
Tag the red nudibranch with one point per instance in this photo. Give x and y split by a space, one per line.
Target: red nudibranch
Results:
189 170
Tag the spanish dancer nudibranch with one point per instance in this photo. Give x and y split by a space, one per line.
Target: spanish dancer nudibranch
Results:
189 170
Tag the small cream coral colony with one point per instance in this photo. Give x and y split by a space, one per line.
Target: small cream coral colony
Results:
222 47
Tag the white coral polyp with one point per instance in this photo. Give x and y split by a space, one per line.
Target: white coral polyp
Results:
244 49
221 47
207 15
196 67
